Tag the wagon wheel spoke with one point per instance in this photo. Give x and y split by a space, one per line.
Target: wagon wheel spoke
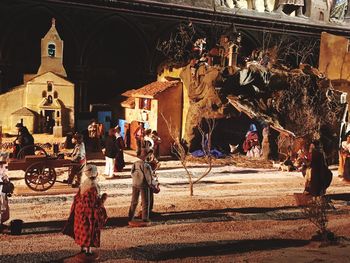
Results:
51 180
33 176
31 150
40 177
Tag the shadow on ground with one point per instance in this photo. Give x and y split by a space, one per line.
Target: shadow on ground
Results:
199 183
179 217
247 171
341 196
157 252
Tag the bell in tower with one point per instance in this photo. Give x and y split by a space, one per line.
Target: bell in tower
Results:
52 52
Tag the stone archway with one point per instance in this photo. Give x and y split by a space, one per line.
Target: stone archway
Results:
114 58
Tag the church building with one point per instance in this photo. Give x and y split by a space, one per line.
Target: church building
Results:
45 101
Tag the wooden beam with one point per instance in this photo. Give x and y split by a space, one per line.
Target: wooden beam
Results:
274 124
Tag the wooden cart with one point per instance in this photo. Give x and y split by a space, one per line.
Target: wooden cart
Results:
39 169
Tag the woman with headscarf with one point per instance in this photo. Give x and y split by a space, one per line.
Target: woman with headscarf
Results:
88 214
251 145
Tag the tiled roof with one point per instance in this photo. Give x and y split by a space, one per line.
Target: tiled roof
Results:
42 74
154 88
128 93
150 90
23 112
128 103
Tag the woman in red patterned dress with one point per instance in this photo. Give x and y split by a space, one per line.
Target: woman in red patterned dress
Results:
88 214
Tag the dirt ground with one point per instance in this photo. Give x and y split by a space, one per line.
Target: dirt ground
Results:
236 215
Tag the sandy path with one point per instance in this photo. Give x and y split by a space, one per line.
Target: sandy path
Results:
236 215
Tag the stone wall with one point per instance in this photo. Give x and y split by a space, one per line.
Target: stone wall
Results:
175 73
9 103
334 56
170 104
65 94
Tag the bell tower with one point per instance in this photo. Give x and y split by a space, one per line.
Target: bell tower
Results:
52 52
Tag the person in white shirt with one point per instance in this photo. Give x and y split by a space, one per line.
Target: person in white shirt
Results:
4 207
148 142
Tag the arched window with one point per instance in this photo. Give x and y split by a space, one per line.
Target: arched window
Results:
44 94
321 16
55 94
49 86
51 50
58 114
49 99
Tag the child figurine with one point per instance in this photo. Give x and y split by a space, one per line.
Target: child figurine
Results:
4 207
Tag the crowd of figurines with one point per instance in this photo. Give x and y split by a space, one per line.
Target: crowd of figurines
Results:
224 54
184 46
322 10
187 44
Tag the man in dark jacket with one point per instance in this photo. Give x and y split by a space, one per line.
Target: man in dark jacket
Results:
110 151
141 173
24 138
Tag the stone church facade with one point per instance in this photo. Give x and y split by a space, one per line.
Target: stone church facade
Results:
45 97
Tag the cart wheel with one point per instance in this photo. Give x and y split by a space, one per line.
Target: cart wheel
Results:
40 177
31 150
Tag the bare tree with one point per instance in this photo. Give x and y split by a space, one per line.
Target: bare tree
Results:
316 212
181 153
287 48
177 48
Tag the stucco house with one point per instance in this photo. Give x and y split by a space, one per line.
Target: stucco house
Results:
43 97
148 103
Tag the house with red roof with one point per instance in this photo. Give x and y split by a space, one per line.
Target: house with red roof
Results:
147 105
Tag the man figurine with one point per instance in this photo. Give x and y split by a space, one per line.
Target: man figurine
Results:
265 145
199 46
141 174
225 48
4 207
297 3
139 134
224 3
251 4
93 135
